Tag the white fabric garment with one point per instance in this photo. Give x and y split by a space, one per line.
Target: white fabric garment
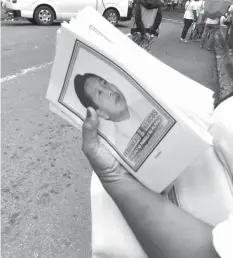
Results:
212 21
231 9
199 5
202 11
148 17
121 242
223 238
231 12
189 8
222 20
124 130
222 131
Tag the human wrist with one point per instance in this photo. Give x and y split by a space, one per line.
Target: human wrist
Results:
118 182
113 175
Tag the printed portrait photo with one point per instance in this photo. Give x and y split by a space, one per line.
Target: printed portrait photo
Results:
131 122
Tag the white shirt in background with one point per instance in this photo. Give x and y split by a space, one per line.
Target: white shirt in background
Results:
212 21
231 12
202 11
189 8
222 20
199 6
148 17
231 9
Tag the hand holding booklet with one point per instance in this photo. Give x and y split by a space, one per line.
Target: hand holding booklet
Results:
145 129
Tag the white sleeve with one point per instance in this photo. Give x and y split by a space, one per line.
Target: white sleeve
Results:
231 9
223 238
194 6
222 20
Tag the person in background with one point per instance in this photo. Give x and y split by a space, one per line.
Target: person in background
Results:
201 19
230 32
200 24
169 4
179 3
190 15
174 4
225 19
211 27
133 8
148 16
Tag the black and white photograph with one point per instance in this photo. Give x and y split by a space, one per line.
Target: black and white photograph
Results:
131 121
117 129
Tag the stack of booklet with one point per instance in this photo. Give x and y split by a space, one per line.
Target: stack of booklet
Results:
153 135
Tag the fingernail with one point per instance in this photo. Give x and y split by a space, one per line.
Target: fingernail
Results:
88 113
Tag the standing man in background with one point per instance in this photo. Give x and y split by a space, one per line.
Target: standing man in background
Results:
199 25
168 7
211 27
147 19
201 19
190 15
174 4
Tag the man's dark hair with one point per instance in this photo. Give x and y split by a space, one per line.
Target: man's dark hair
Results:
79 83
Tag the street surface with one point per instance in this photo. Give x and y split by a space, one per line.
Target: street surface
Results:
45 176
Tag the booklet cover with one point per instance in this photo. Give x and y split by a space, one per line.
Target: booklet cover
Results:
142 127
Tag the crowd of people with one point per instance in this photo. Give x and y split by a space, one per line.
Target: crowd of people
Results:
204 27
226 21
171 5
148 15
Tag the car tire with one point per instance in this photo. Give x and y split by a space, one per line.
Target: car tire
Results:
31 20
112 16
44 15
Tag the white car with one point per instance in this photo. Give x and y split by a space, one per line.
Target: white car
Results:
44 12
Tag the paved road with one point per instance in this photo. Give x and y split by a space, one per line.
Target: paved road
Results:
45 178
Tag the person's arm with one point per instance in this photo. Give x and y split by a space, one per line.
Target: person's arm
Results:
195 15
157 21
194 10
138 18
162 229
231 10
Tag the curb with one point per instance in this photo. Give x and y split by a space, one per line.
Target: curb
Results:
224 72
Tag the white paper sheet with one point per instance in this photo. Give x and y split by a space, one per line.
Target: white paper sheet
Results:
148 131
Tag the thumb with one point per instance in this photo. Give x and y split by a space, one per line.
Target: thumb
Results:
89 131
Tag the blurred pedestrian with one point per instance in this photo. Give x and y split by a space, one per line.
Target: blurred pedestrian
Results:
169 4
201 20
211 27
148 16
200 23
179 3
190 15
174 4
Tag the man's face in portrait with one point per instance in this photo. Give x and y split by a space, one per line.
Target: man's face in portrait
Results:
107 97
